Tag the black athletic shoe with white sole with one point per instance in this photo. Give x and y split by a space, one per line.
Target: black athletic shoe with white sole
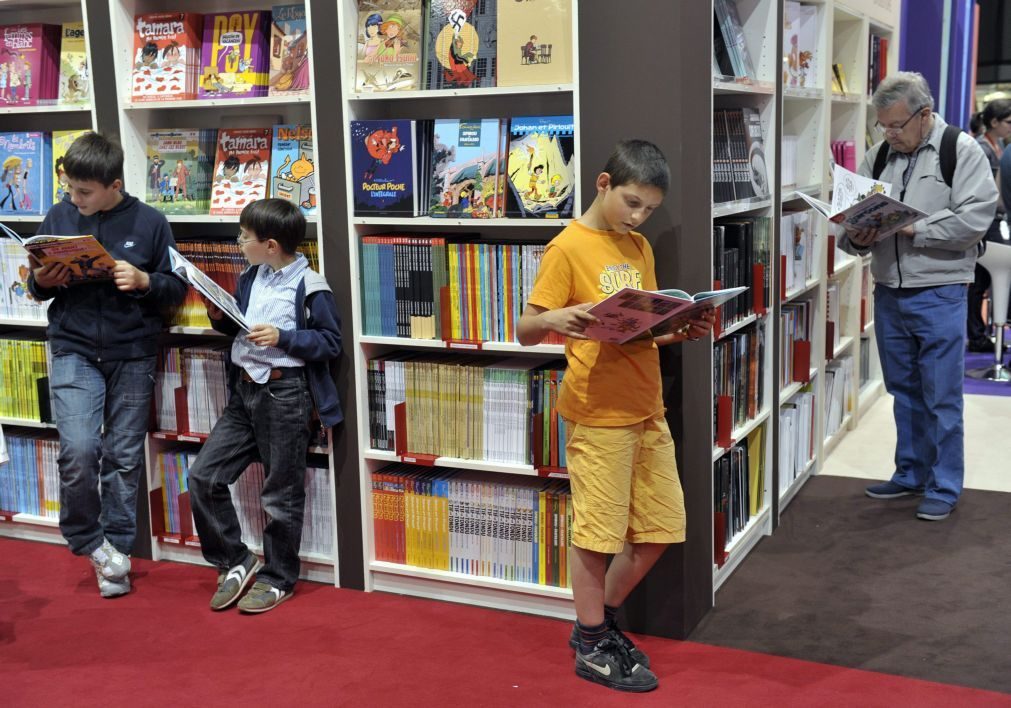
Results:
638 655
609 664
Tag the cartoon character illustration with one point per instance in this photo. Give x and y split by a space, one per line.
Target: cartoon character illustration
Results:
86 265
3 82
373 40
252 170
28 79
10 182
294 74
148 57
392 29
181 175
300 174
458 72
553 186
536 172
171 55
382 146
165 188
229 170
19 288
154 172
530 51
61 179
797 63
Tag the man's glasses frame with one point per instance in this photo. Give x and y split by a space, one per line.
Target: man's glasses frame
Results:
889 130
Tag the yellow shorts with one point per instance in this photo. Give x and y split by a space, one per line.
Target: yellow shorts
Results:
625 485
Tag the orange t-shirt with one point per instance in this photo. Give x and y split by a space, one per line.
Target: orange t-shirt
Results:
607 385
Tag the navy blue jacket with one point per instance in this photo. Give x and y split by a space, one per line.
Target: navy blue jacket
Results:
96 320
316 339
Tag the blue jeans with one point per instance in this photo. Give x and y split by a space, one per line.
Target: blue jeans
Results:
262 422
102 411
921 341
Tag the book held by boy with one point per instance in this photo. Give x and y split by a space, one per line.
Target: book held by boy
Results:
631 313
203 284
84 255
862 203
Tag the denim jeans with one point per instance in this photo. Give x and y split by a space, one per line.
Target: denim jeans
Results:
267 423
921 341
102 411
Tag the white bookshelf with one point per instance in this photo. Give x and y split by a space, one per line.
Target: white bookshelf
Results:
502 102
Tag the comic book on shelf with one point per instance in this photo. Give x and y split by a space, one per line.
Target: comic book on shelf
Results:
75 79
541 167
29 63
86 258
25 173
292 166
166 56
467 175
179 165
462 44
384 167
241 169
534 42
289 51
235 60
62 140
390 46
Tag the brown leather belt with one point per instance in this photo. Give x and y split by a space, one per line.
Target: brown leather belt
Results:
275 374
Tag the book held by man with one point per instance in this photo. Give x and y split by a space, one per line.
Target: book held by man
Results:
84 255
860 202
203 284
631 313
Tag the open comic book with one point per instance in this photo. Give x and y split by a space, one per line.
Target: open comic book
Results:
203 284
863 203
84 255
630 313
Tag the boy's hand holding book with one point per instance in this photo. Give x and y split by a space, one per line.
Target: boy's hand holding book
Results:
54 275
213 311
264 335
128 277
570 321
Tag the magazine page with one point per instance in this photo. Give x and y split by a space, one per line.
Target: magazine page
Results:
848 188
880 212
207 287
83 255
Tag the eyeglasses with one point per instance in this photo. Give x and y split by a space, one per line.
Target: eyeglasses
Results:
243 241
895 130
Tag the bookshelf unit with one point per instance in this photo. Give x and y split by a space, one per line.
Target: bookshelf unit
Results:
494 102
48 117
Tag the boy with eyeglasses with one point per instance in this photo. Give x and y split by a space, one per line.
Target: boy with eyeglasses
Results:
279 380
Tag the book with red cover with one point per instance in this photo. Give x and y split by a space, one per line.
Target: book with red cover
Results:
241 169
166 56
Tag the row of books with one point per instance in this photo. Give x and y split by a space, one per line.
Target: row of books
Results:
796 437
43 63
795 326
731 57
24 385
844 152
200 372
877 61
30 480
800 45
464 168
473 523
738 246
228 55
739 165
426 287
739 372
494 409
840 393
171 468
218 172
738 490
800 246
15 301
839 83
407 45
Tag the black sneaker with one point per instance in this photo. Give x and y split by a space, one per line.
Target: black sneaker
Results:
232 583
638 655
610 665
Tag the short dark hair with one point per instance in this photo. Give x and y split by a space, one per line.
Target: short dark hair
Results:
638 162
277 219
998 109
94 158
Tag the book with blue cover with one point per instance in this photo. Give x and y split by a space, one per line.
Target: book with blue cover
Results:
25 173
467 181
383 167
292 166
541 167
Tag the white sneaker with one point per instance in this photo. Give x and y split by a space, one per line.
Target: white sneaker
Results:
112 588
109 562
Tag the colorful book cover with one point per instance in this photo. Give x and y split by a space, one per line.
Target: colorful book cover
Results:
289 51
462 41
179 164
28 55
62 139
234 56
467 181
24 173
166 56
383 167
241 169
75 81
541 167
390 38
534 42
293 172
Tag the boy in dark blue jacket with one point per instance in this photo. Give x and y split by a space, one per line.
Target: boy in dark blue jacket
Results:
103 338
279 374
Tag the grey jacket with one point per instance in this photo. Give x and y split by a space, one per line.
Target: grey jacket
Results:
943 251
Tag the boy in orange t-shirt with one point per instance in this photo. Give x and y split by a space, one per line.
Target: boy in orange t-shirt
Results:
626 494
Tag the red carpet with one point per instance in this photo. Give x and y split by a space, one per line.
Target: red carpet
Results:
61 644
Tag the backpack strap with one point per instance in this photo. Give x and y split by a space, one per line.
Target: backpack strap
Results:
881 159
949 158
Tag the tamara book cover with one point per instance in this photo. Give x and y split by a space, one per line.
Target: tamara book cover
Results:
179 164
241 169
293 175
289 51
383 167
25 160
631 313
390 44
234 55
541 167
166 56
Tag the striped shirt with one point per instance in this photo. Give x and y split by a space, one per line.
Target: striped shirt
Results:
271 301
